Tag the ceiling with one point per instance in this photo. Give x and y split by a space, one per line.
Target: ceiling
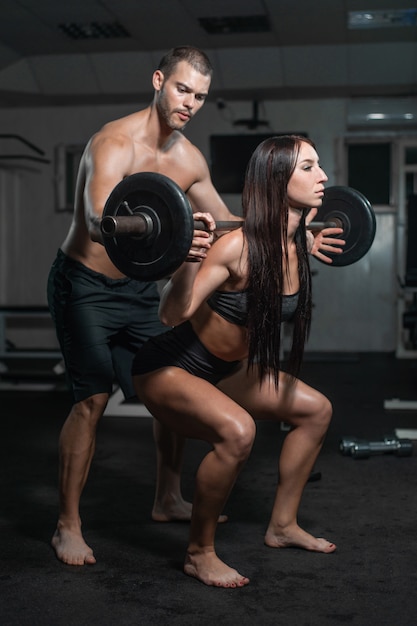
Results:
306 51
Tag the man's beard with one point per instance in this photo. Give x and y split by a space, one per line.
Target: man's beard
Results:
165 113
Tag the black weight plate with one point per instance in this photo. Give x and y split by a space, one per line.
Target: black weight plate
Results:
161 253
353 210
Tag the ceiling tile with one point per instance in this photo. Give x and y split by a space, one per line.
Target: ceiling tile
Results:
62 74
317 65
255 67
384 64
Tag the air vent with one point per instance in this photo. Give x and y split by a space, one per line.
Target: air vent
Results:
235 24
94 30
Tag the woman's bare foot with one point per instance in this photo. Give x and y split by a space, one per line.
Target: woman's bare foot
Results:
210 570
70 547
296 537
176 510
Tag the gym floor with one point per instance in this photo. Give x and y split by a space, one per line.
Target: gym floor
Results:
368 507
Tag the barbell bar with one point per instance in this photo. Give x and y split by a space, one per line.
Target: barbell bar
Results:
147 225
139 225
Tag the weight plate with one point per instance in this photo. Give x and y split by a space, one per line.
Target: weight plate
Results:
353 210
163 251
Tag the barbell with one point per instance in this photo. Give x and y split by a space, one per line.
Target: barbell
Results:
147 225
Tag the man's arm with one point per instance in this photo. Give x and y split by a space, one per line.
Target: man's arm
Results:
106 163
204 197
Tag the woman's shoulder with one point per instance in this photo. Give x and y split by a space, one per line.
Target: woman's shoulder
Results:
229 250
231 241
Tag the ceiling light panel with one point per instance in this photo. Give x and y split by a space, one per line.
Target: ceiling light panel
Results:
387 18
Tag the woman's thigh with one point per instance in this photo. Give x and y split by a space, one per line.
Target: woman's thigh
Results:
292 402
192 406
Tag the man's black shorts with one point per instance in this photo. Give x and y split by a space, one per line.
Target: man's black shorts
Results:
100 324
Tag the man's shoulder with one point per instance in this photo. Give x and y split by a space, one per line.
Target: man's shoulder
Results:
106 141
188 150
116 133
122 127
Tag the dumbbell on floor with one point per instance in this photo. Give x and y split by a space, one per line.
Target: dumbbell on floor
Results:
362 449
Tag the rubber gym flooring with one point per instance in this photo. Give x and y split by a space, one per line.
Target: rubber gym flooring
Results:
368 507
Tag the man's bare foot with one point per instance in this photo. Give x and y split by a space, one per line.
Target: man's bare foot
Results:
296 537
70 548
210 570
176 510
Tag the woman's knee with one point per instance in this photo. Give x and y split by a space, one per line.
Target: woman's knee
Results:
238 436
323 411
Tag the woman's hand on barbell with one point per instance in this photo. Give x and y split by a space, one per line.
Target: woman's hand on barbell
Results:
323 240
202 239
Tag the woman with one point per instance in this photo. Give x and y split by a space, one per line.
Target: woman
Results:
219 368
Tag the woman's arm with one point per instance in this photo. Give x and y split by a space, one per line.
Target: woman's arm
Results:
193 283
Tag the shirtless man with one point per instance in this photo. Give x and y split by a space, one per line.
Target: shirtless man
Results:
101 316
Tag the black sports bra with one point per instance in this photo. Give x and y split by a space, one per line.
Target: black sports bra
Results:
233 306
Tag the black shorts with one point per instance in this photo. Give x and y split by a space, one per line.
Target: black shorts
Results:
100 323
180 347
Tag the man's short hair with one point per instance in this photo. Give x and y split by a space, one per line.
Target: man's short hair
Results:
195 57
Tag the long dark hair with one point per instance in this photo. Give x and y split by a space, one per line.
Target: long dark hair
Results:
265 209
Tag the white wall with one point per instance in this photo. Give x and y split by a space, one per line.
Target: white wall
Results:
32 229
